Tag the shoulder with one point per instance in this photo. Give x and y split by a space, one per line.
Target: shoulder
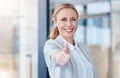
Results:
50 42
53 42
50 45
58 41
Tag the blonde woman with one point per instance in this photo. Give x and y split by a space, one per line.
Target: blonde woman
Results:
66 58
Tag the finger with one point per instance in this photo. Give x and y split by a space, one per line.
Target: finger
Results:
66 48
63 61
66 55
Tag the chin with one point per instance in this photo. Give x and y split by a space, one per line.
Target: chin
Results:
69 36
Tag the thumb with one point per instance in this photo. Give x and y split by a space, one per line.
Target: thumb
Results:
66 48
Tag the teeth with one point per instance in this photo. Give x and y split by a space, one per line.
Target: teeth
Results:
68 30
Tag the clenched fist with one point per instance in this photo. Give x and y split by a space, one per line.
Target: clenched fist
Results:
63 56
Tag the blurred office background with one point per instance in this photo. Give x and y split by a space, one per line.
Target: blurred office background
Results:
25 26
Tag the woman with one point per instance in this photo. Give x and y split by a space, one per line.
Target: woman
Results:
66 58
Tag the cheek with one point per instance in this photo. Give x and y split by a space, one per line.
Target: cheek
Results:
60 25
75 25
75 28
60 28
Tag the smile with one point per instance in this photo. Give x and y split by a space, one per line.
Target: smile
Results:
68 30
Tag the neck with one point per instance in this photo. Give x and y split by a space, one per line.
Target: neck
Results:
70 40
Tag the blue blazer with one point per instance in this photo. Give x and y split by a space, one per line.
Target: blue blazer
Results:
57 71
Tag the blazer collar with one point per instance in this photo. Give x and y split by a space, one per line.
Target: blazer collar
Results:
59 41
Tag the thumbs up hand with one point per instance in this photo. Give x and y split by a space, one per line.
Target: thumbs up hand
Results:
63 56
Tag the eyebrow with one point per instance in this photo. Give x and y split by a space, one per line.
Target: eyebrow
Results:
71 17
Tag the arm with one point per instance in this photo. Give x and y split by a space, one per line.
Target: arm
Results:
49 50
54 55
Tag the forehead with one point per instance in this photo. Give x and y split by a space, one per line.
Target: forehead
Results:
67 12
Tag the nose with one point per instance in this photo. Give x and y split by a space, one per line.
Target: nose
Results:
69 24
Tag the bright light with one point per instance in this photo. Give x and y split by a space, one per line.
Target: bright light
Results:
8 6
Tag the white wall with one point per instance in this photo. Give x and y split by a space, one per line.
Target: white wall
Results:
28 38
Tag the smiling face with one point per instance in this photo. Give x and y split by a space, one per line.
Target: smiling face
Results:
67 22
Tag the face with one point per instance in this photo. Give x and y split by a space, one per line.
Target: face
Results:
67 22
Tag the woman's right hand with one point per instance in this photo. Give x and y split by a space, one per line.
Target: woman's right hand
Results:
63 56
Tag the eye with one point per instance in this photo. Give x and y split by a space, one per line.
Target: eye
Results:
73 19
63 19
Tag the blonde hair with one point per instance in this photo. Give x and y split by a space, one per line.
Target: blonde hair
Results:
54 33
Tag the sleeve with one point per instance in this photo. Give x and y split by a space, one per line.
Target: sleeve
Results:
49 49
